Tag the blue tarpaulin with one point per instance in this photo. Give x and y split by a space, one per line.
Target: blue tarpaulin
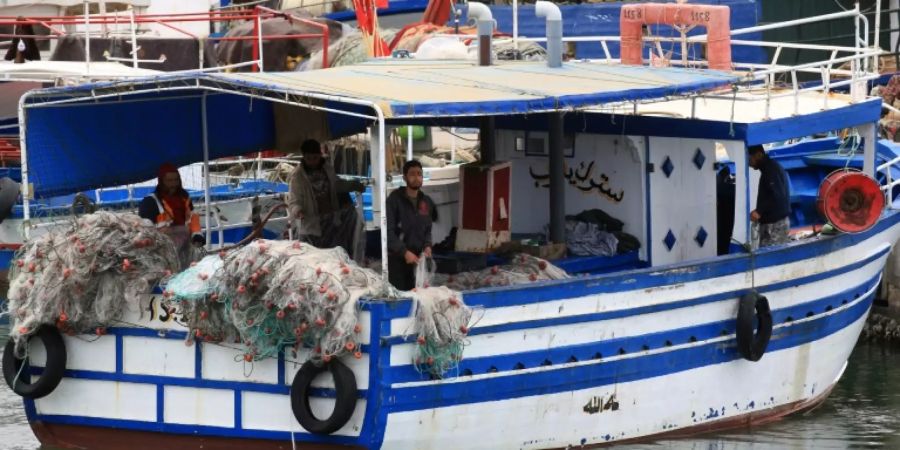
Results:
602 19
100 142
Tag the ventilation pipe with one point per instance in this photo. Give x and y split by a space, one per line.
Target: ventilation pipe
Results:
554 31
484 22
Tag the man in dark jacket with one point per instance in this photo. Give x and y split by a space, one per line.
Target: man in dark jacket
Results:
409 218
773 201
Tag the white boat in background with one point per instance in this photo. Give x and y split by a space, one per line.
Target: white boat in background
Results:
671 339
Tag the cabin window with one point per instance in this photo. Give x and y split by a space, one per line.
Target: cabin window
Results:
537 143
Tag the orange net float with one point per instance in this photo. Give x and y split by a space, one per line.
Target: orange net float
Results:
850 200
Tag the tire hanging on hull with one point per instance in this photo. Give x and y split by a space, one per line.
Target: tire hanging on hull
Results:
753 312
345 398
16 371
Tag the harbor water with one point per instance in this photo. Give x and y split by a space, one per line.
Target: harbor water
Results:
862 412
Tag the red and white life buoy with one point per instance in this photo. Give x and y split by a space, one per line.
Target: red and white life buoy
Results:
714 17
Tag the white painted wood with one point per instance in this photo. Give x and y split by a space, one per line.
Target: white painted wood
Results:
683 201
359 367
639 298
152 356
535 339
273 412
109 399
737 153
646 407
82 353
617 157
192 406
227 364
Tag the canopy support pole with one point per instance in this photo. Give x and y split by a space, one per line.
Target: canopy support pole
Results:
557 179
868 134
409 143
26 186
206 213
487 138
380 190
87 39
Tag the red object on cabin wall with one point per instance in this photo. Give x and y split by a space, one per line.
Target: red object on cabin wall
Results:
474 182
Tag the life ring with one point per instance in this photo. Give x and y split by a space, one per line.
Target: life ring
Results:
345 399
753 312
715 18
54 368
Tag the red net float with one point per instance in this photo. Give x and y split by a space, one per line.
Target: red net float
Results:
850 200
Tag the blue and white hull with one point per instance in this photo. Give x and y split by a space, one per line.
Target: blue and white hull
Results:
592 360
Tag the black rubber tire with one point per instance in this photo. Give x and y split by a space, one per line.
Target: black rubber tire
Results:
345 401
53 370
753 312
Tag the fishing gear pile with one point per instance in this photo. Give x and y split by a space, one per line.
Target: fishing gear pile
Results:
441 323
277 294
273 295
82 278
523 269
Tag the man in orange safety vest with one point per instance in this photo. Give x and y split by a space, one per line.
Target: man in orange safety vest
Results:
170 209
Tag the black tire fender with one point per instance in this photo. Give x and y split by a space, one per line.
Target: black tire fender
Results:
54 368
345 401
753 313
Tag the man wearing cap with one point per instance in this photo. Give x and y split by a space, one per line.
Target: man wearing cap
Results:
170 209
773 200
320 200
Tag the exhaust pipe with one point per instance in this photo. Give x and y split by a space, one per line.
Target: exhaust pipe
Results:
484 22
554 31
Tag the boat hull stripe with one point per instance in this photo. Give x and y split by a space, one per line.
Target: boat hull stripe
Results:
631 344
601 373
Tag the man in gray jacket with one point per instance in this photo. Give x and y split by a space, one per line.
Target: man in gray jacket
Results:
320 201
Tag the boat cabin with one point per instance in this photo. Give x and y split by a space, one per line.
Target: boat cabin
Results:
640 144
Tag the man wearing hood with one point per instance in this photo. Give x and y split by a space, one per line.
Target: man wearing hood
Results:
321 201
170 209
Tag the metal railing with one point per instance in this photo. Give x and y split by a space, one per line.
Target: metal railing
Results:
56 28
861 58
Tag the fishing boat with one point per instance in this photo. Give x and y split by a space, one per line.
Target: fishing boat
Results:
672 339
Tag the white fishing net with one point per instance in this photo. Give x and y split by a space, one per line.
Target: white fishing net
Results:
82 278
275 295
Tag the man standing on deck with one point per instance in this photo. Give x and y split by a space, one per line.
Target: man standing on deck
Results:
773 200
320 200
409 218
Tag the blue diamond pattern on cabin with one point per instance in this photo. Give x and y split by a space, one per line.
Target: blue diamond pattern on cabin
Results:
667 167
701 236
699 159
669 240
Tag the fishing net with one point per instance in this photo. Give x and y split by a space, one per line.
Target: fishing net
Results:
81 278
523 269
275 295
441 323
348 50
